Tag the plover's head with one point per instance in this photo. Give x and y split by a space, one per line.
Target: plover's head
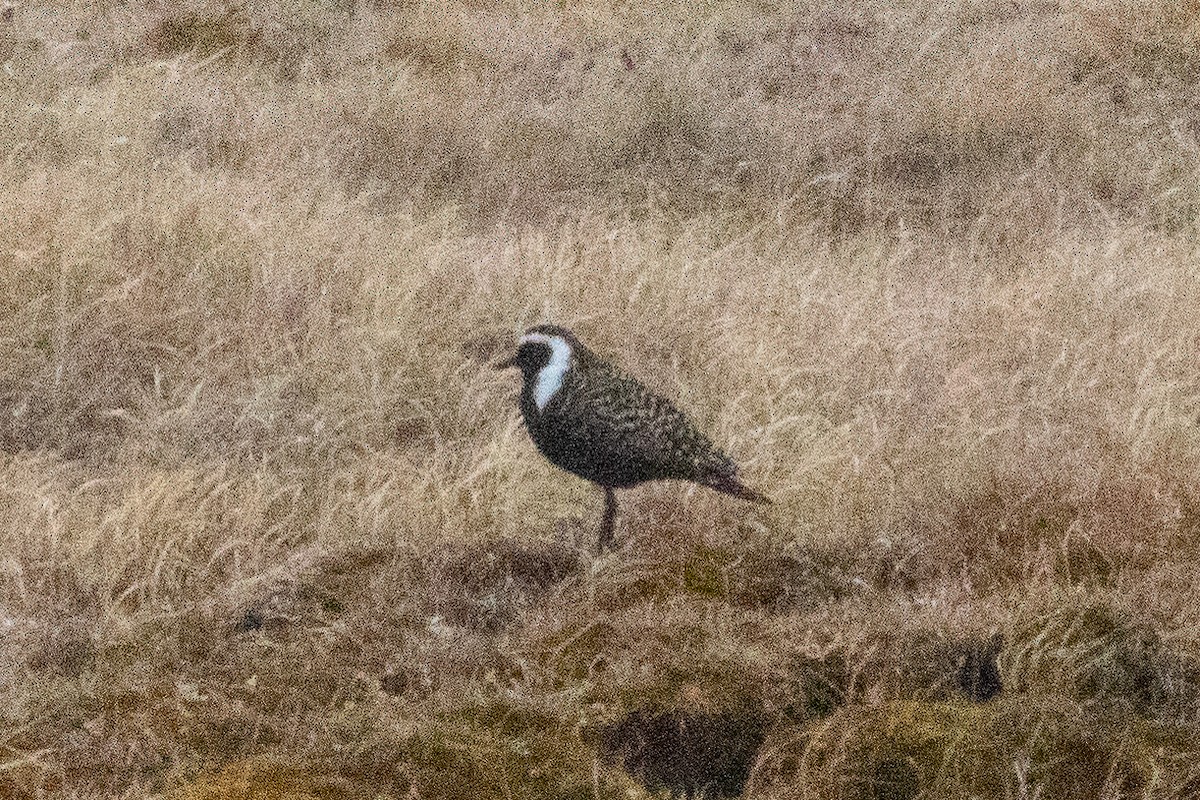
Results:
543 356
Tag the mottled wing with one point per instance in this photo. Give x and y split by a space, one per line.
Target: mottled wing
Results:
634 424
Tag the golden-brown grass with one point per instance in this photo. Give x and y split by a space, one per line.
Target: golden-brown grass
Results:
269 525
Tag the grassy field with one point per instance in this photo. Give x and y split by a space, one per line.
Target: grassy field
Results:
270 526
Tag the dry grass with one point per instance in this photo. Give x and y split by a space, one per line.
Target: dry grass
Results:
269 526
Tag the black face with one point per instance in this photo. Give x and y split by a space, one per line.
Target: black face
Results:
530 359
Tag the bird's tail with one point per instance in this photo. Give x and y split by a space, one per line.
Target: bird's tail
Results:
729 484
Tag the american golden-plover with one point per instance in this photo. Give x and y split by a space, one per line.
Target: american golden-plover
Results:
593 420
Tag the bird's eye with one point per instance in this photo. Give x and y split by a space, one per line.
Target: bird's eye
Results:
534 354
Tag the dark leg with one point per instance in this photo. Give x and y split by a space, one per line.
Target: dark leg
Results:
606 525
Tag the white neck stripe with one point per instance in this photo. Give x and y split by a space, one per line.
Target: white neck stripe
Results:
550 377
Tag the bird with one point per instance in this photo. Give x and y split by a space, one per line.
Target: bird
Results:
590 418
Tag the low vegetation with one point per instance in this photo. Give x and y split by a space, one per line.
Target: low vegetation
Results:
270 527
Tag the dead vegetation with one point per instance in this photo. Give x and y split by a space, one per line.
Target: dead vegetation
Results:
269 526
